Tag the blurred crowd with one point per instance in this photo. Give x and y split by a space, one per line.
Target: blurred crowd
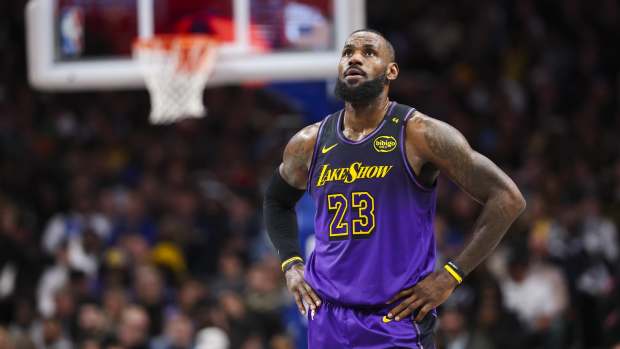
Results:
118 234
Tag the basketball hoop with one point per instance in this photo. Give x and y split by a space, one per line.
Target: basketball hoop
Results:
176 69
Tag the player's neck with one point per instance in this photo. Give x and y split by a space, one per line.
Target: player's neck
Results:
362 116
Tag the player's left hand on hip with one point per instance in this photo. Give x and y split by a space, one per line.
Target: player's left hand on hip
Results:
427 294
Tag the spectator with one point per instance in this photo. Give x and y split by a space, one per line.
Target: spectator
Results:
281 342
114 302
230 274
91 324
53 279
65 304
537 292
191 294
149 292
178 334
132 331
79 230
24 315
239 324
498 324
455 334
5 339
48 334
212 338
132 217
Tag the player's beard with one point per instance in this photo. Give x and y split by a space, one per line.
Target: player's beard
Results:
362 93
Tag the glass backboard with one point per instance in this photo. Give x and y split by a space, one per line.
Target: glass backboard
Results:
86 44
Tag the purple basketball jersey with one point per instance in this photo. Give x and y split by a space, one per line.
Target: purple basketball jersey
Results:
374 220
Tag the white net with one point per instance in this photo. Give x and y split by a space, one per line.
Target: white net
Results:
176 69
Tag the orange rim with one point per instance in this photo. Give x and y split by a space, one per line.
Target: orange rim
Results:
166 41
183 45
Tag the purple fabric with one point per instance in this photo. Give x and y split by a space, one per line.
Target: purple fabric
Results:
334 326
367 270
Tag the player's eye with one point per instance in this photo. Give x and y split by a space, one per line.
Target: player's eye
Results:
347 53
370 53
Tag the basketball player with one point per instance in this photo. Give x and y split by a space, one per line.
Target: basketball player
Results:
371 170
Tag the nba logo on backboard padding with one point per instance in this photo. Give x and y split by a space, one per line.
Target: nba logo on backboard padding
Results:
72 31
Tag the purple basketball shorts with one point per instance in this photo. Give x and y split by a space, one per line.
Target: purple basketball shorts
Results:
334 327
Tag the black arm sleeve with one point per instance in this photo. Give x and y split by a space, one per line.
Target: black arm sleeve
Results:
280 216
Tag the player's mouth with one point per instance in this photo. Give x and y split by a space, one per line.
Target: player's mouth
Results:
354 73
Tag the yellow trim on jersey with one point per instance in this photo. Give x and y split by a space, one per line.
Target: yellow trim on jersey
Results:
458 278
290 260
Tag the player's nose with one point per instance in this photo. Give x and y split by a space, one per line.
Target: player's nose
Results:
355 59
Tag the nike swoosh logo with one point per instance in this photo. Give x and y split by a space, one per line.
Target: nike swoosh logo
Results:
326 149
386 320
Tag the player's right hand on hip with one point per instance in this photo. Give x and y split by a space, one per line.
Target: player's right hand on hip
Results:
300 289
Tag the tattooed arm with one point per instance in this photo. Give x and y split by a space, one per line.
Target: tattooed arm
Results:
298 155
433 146
444 147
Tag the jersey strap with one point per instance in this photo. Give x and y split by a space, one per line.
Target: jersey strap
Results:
398 116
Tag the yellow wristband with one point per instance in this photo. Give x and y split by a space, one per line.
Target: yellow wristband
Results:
291 260
454 274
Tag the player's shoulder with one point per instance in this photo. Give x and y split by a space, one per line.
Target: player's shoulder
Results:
423 131
311 130
302 143
298 155
419 123
307 134
304 140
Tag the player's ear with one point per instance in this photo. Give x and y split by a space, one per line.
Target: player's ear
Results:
392 71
